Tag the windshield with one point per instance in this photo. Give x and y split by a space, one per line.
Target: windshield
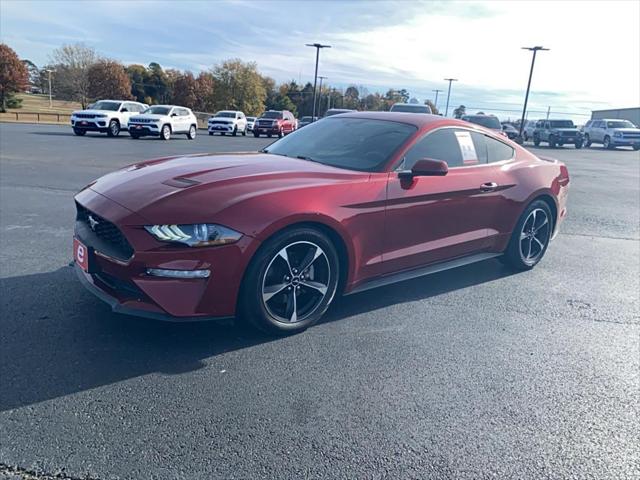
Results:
411 108
251 119
226 114
561 124
158 110
272 115
305 119
485 120
620 124
351 143
104 105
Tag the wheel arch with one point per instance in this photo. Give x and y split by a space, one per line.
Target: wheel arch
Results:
326 225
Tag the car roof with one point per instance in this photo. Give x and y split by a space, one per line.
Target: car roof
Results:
419 120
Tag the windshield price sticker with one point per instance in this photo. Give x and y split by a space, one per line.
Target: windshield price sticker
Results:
467 148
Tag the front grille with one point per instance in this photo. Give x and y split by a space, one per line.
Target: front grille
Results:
631 135
218 122
265 123
85 115
569 134
106 233
140 120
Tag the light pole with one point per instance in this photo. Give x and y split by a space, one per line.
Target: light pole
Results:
435 103
320 91
526 97
446 110
317 46
49 71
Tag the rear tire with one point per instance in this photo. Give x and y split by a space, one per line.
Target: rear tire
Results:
79 132
530 237
286 293
578 144
636 147
587 141
552 141
536 141
114 128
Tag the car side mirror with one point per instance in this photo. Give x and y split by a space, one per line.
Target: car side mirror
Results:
425 167
174 114
124 110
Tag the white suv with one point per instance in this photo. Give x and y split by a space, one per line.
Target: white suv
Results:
162 121
228 121
105 116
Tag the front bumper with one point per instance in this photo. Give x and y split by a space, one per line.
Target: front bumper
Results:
220 128
125 285
90 125
144 129
625 142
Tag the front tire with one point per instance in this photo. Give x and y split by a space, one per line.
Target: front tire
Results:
607 143
587 141
530 237
135 136
165 132
290 282
257 135
552 141
578 144
192 133
114 128
79 132
235 130
244 132
636 147
536 141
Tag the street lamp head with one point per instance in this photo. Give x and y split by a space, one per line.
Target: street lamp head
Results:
317 45
451 79
534 48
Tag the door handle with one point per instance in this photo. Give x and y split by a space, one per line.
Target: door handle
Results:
488 187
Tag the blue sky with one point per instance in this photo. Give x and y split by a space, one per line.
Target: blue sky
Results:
375 44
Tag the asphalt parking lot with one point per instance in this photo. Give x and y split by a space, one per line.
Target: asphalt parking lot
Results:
472 373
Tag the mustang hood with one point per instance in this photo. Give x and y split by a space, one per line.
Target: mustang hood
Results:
192 189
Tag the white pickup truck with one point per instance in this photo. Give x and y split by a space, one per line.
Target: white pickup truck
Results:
105 116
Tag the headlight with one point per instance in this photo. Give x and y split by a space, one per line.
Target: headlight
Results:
101 115
195 235
617 134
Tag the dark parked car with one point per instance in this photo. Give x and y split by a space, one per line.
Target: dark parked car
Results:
349 203
511 131
487 121
274 122
306 121
410 108
557 133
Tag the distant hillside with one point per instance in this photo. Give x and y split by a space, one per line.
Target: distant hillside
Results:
40 104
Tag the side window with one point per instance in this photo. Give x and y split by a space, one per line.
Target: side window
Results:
481 146
497 151
439 145
539 124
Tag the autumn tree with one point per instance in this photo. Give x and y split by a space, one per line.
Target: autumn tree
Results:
204 92
433 107
239 86
108 79
13 74
72 64
351 97
137 77
460 111
185 90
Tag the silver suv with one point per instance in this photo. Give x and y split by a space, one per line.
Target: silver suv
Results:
612 133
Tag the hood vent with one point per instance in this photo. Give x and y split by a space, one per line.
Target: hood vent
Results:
181 182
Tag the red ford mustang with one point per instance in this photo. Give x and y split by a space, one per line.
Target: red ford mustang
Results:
351 202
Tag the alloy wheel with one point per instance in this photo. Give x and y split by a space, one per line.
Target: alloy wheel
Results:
534 236
296 282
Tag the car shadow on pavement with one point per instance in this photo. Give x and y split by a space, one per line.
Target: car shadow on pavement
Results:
57 339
